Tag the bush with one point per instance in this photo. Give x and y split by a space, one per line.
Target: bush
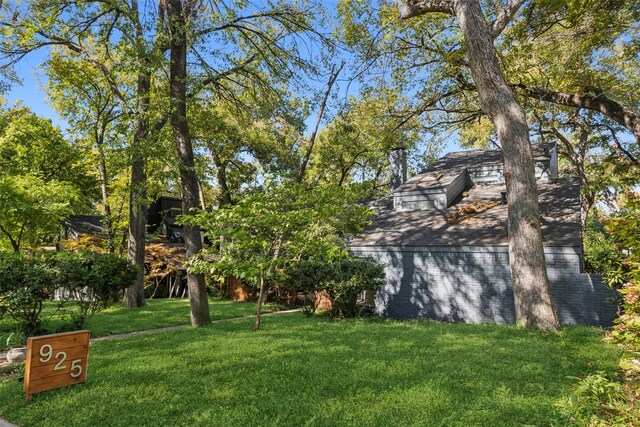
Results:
91 280
626 230
85 278
343 281
600 401
26 282
601 250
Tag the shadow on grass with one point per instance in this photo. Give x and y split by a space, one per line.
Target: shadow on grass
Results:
300 371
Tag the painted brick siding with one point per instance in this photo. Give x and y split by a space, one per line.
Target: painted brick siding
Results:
473 285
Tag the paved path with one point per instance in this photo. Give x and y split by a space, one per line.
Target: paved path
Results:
175 328
5 423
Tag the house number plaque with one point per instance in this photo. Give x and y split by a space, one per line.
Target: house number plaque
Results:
56 360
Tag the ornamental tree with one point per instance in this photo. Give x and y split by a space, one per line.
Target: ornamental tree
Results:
265 232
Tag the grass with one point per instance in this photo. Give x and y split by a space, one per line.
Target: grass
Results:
318 372
116 319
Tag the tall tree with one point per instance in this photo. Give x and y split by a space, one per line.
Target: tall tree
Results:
534 306
177 17
43 178
94 31
82 96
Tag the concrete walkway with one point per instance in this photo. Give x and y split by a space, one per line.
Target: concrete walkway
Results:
5 423
175 328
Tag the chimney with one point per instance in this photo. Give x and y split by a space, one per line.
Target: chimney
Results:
553 163
398 167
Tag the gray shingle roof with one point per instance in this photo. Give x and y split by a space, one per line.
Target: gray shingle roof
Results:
559 209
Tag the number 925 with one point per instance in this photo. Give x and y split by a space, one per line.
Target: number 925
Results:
47 353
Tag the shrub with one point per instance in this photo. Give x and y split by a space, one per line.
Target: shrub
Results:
26 282
600 401
343 281
85 278
626 229
91 280
601 250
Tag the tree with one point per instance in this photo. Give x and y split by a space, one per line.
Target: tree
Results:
355 145
96 32
534 306
177 29
266 231
43 178
244 145
80 93
225 40
31 209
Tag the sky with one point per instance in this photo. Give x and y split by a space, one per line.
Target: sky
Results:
31 92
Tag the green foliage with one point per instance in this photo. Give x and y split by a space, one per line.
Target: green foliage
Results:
26 282
86 279
626 229
599 401
627 329
355 145
590 395
31 209
269 230
43 179
91 280
343 280
601 252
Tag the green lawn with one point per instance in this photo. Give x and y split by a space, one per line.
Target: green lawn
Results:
157 313
317 372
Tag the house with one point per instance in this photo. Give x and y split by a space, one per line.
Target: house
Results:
161 220
442 236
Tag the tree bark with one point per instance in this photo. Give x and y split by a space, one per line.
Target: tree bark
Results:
533 302
177 18
601 103
104 190
134 295
261 296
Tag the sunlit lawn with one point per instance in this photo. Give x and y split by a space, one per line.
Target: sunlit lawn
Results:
317 372
157 313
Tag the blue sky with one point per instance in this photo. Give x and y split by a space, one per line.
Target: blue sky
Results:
31 92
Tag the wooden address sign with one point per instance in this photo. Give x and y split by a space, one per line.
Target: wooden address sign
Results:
55 361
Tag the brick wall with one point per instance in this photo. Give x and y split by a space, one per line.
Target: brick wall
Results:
473 284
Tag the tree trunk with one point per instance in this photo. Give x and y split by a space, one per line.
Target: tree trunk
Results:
261 297
102 176
534 306
224 199
134 295
198 297
104 191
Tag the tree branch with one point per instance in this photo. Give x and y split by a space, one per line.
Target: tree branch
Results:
618 145
332 79
503 19
601 103
410 8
